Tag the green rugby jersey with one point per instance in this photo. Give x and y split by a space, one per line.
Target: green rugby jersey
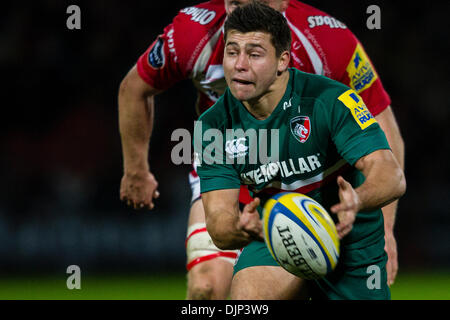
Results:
322 129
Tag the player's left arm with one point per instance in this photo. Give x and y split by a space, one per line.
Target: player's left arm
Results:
384 183
351 65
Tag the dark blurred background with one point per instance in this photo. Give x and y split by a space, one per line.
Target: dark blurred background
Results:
61 160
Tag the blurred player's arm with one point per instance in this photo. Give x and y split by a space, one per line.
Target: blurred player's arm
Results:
229 228
388 123
384 183
136 112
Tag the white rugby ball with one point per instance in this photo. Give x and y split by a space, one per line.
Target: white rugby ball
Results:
300 235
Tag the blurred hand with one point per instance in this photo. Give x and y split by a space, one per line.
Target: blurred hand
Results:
392 263
348 207
139 190
250 222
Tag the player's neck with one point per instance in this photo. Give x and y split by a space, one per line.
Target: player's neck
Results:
263 107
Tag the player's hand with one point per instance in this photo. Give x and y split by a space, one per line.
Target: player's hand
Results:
250 222
348 207
139 190
392 263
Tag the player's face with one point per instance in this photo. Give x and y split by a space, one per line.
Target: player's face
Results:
250 64
280 5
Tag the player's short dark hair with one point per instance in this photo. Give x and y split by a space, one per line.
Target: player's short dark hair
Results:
256 16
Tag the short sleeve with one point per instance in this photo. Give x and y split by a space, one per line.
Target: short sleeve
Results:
354 130
209 160
159 65
351 65
174 54
361 76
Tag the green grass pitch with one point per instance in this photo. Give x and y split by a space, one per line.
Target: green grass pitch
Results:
408 286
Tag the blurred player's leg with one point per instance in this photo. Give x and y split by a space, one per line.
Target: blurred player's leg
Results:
209 280
278 284
209 269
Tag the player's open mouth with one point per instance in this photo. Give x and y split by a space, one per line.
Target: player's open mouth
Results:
241 81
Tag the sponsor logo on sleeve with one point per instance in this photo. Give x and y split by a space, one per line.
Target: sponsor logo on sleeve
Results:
171 44
358 109
360 70
156 58
317 21
200 15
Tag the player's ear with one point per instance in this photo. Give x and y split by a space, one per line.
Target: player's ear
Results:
283 61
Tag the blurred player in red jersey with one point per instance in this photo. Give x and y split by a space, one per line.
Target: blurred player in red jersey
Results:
321 44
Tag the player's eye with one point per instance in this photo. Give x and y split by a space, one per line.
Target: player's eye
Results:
254 54
231 53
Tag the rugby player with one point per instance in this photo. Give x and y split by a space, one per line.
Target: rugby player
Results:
339 134
320 44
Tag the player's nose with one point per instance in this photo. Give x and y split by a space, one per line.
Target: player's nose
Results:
242 63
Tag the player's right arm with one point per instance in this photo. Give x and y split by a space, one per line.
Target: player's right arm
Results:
229 228
162 65
136 111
